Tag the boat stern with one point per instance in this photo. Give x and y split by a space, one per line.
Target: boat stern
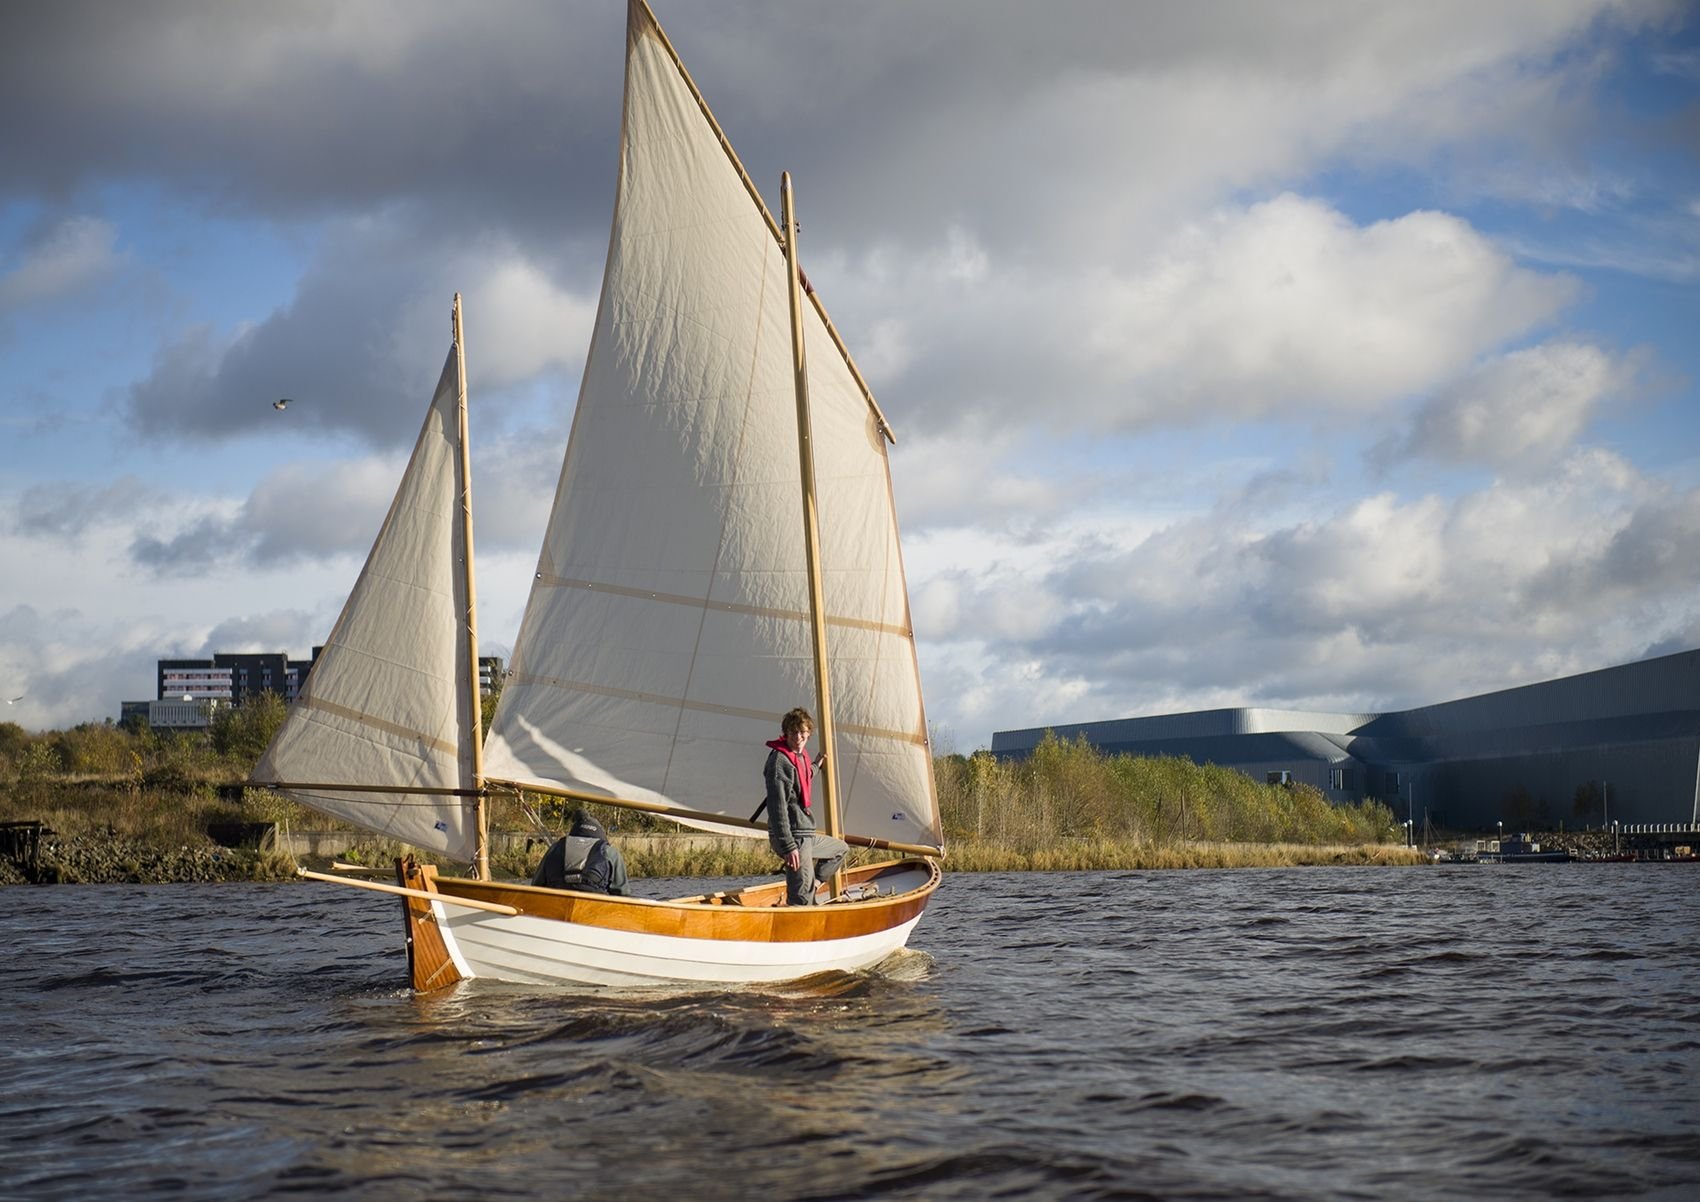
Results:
429 964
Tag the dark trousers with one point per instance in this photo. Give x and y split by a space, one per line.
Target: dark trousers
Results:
820 857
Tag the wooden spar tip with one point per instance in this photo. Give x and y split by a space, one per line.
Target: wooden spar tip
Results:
329 787
797 228
400 891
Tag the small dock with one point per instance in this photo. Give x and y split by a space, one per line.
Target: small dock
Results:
20 842
1670 842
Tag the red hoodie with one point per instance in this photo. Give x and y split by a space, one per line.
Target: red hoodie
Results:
805 769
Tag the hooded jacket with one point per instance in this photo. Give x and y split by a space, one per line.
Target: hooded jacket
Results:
790 818
584 861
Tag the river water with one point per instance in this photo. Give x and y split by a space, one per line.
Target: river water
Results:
1470 1031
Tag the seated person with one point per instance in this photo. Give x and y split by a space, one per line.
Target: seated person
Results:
584 861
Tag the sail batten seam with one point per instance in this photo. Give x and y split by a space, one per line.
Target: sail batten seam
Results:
736 607
376 723
705 707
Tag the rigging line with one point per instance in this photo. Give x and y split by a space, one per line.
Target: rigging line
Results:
399 801
414 788
529 812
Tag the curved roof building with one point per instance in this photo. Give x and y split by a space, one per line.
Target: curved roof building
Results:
1619 744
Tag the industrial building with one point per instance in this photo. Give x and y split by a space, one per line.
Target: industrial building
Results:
170 714
191 690
1620 744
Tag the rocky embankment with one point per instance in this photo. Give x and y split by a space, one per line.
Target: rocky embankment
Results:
102 860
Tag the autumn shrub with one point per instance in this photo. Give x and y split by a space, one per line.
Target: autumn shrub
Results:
241 733
94 749
1069 790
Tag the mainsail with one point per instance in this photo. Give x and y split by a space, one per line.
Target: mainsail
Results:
669 622
387 702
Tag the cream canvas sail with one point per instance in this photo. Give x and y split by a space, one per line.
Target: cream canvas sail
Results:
387 702
669 624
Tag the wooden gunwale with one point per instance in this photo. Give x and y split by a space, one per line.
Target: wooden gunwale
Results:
709 919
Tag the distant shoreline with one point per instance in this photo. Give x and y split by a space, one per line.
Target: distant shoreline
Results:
102 859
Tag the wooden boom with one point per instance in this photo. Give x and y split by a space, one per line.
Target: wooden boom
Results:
656 807
402 891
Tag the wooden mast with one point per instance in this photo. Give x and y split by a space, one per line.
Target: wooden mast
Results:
811 520
474 696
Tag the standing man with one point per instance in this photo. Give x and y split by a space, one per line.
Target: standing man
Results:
790 814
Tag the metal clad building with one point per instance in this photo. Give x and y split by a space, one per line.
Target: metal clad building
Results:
1309 747
1619 744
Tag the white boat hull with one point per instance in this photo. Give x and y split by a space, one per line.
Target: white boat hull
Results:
548 952
558 937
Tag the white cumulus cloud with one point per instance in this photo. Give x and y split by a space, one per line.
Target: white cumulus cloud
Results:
1527 407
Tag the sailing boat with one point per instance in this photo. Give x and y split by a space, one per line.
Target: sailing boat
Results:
723 546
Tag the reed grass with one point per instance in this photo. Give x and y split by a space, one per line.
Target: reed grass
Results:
75 809
1108 855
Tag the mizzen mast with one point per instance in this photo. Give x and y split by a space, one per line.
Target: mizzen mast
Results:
475 709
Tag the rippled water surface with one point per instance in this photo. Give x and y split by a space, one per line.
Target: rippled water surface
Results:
1475 1031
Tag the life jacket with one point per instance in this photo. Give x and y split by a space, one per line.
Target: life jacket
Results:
563 864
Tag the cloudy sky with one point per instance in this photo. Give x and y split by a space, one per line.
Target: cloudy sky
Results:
1327 355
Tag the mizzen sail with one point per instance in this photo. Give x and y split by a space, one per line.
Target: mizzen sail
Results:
668 626
387 702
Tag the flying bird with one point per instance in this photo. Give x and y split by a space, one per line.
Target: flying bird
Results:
284 403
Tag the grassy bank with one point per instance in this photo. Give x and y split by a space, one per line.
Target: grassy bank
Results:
107 860
1067 807
1104 855
653 857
